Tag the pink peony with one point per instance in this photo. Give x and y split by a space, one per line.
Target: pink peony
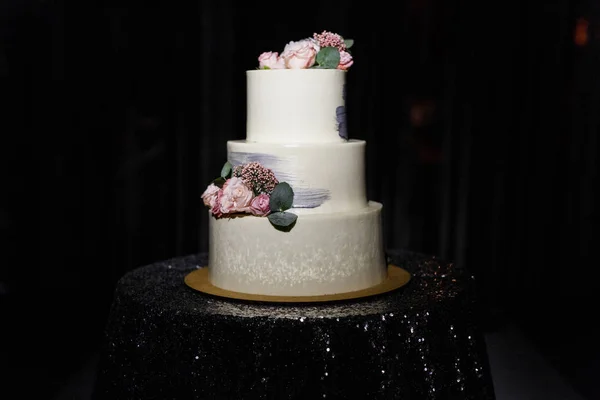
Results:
209 197
260 205
216 207
270 60
301 54
346 60
236 196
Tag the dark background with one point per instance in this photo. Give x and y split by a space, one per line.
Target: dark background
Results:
481 120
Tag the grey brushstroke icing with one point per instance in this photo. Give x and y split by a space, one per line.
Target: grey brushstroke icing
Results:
274 163
310 198
340 116
303 197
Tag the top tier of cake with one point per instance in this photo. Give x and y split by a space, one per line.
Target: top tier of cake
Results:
296 106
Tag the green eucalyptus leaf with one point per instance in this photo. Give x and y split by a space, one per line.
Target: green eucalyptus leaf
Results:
226 170
283 221
281 198
219 181
349 43
328 57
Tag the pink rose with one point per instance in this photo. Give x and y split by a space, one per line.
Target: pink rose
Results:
216 207
270 60
346 60
301 54
260 205
236 196
210 195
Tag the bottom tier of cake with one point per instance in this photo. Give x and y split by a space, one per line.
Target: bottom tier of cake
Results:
322 254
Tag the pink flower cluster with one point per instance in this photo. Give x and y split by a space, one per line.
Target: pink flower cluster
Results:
296 55
247 191
329 39
302 54
235 197
262 180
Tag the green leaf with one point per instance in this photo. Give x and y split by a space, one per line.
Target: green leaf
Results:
282 197
226 170
328 57
349 43
219 181
283 221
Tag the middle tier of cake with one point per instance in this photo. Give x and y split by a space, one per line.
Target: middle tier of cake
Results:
325 177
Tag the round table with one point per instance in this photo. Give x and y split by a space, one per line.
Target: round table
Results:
165 340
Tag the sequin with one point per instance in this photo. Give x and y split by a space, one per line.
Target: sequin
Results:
201 347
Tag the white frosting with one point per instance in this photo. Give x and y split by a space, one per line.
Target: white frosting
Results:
294 105
322 254
296 127
328 177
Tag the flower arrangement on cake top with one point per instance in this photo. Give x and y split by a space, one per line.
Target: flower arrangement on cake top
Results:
250 189
325 50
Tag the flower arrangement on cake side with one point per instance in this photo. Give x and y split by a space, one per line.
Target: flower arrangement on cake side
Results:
250 189
325 50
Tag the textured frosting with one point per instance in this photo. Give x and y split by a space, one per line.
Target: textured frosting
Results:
328 177
296 106
322 254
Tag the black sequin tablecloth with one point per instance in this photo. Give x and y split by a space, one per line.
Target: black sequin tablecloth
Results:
165 340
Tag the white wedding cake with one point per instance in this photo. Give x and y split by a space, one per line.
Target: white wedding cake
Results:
289 214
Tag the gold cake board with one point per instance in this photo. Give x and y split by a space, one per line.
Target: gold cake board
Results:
396 278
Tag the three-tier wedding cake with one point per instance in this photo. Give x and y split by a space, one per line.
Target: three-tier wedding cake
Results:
289 215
